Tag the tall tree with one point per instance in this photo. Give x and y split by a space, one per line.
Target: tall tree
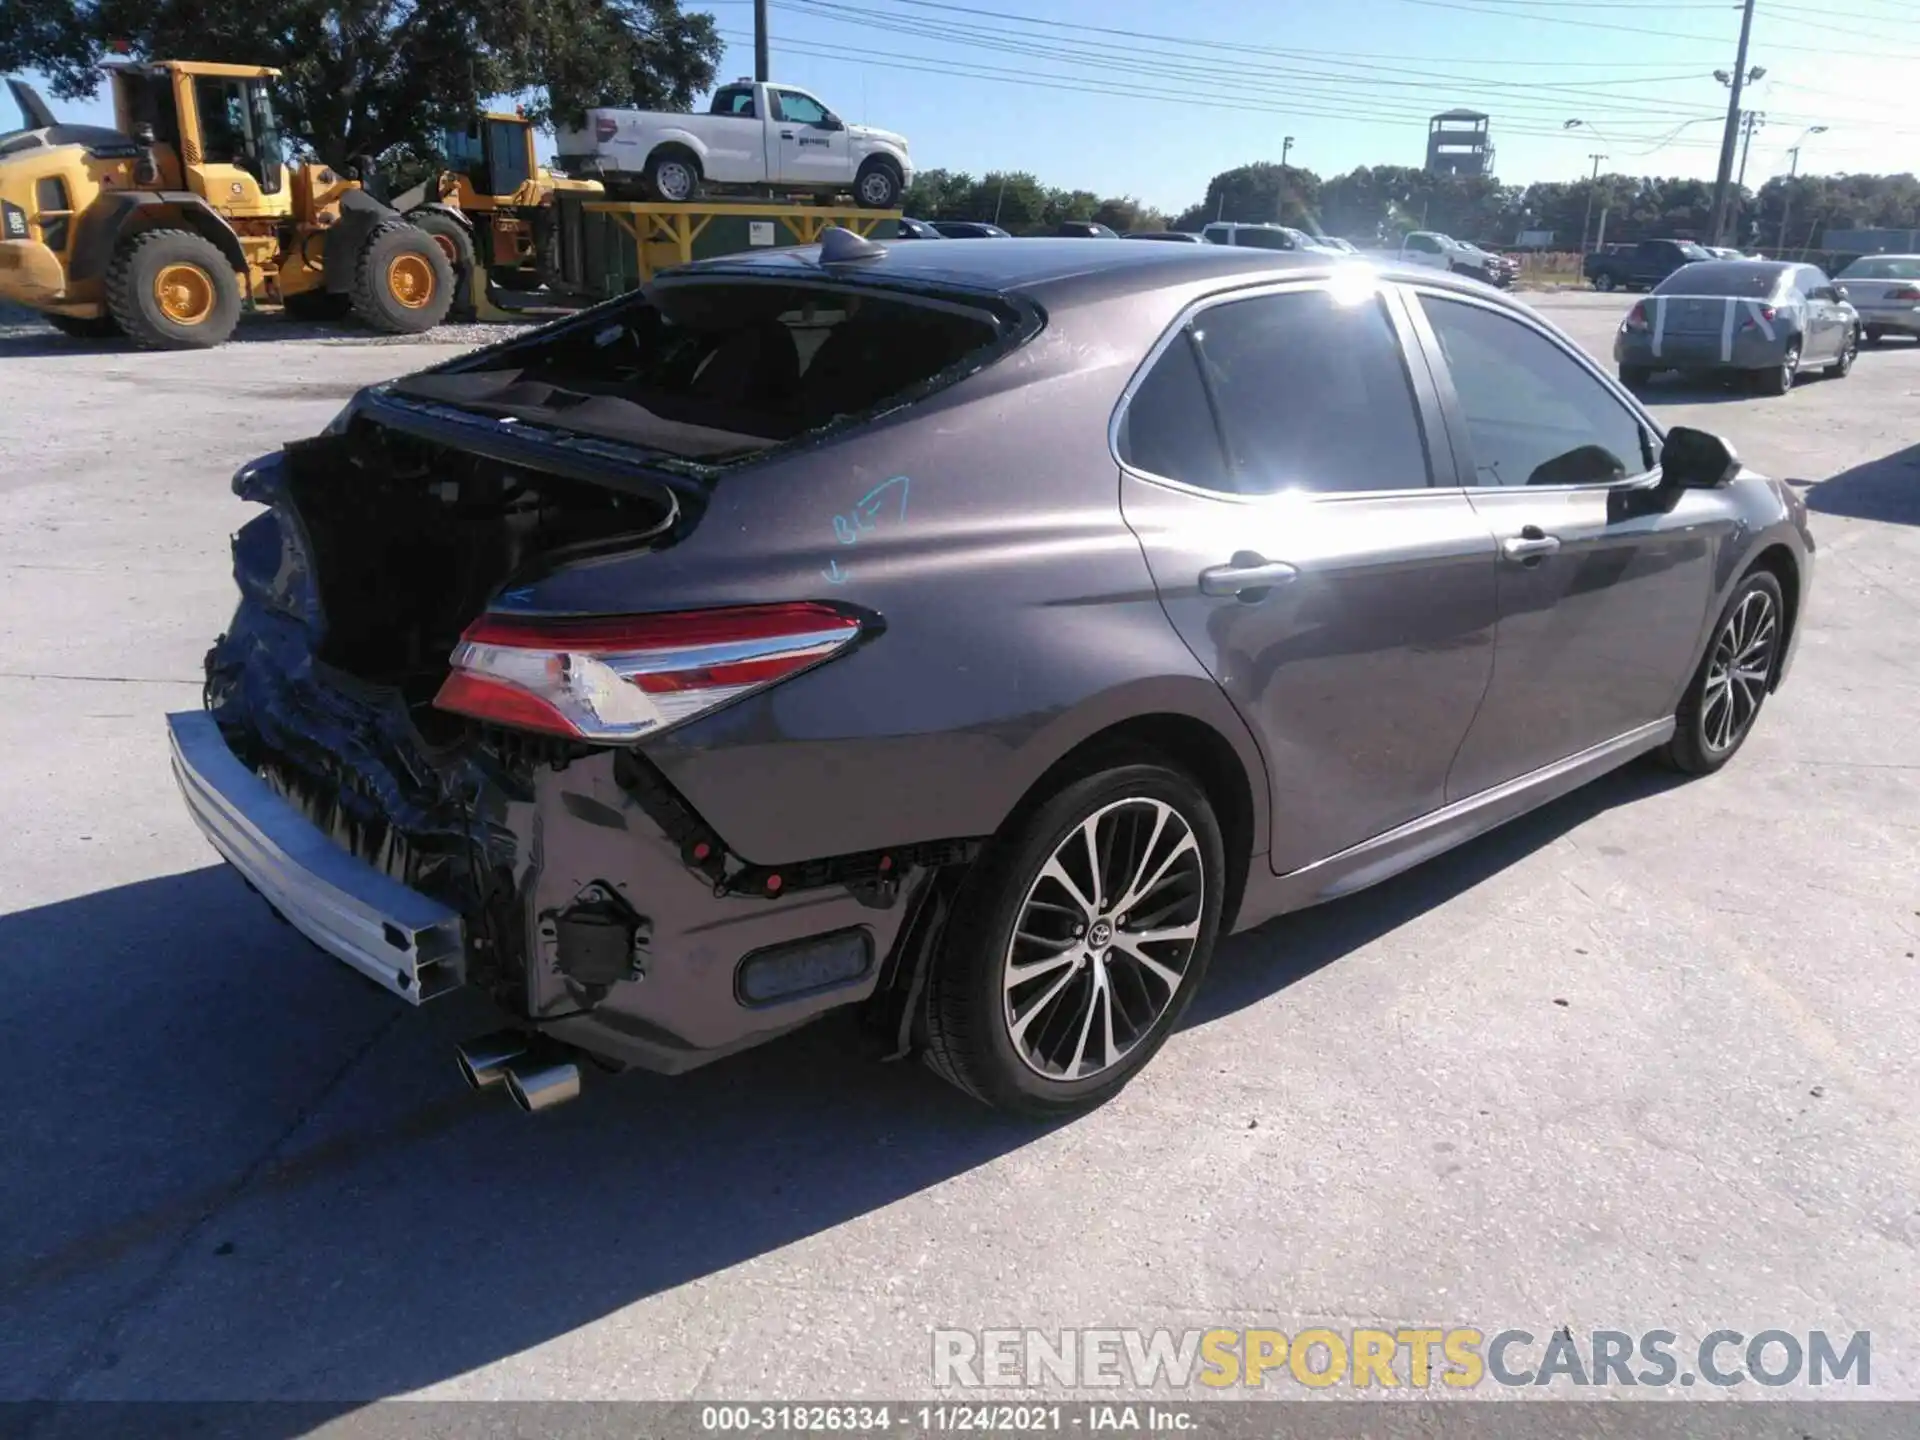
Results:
363 76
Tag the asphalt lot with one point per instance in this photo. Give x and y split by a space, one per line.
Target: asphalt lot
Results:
1647 1059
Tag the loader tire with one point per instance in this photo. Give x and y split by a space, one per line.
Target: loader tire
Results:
173 290
402 283
457 245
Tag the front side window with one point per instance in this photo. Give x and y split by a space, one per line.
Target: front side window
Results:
1264 239
798 109
1425 244
1534 414
1312 394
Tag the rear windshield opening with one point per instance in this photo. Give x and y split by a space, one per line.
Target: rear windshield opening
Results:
716 370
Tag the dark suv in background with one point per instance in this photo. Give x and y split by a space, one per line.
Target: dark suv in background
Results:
1641 266
971 634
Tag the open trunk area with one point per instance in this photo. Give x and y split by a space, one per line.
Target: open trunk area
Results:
406 541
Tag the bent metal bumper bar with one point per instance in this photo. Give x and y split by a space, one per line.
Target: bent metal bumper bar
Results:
408 943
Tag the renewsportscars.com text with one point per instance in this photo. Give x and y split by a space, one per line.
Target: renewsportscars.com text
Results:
1410 1358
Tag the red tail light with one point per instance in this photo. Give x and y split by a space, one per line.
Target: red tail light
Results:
1637 316
605 128
1904 292
1767 312
617 678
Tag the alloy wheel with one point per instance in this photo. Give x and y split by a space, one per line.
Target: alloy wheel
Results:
1738 673
1103 939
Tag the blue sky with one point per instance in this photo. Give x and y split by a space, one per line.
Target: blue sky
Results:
1151 97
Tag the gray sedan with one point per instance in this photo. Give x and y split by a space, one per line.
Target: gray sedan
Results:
1885 289
1766 319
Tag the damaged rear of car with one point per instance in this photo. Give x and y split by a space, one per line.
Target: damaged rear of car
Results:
471 607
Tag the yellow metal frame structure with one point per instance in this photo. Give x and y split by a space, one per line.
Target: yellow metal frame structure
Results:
663 234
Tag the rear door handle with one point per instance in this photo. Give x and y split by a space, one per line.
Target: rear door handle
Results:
786 134
1529 545
1248 572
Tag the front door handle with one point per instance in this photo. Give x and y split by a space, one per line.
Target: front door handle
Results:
786 134
1247 573
1529 545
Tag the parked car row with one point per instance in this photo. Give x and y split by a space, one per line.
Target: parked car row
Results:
1767 321
1427 248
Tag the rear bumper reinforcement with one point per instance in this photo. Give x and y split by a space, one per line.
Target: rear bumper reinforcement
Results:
408 943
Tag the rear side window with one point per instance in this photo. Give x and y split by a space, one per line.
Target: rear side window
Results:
1168 428
734 100
1312 394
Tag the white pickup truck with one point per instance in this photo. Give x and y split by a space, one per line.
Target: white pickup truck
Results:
1443 252
755 135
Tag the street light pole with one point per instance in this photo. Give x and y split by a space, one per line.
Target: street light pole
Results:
1738 79
1593 182
1793 173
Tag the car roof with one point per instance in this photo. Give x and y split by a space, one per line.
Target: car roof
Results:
1058 269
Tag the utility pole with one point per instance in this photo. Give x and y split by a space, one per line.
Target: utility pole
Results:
1286 148
761 70
1727 138
1736 204
1793 173
1592 183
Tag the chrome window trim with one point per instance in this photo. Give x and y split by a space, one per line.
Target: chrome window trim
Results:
1293 284
1417 291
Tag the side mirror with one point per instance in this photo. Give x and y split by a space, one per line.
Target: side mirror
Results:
831 122
1840 293
1697 460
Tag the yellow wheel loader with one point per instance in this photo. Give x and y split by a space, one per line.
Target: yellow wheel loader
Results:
162 227
492 209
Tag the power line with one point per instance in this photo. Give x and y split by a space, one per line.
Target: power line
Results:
1109 57
934 65
1241 47
1513 14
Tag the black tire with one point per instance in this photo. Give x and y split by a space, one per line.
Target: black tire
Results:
877 186
1779 379
1635 376
173 290
402 283
456 243
1603 281
1875 334
317 305
672 175
1849 352
1698 746
77 327
968 1024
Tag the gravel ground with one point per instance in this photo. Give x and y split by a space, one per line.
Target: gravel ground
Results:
1647 1059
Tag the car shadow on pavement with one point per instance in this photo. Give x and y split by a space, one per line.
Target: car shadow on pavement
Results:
1886 489
237 1171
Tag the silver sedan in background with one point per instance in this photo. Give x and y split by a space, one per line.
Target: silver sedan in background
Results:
1766 319
1885 289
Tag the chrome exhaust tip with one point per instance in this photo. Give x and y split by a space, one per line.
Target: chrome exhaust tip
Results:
541 1087
484 1061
